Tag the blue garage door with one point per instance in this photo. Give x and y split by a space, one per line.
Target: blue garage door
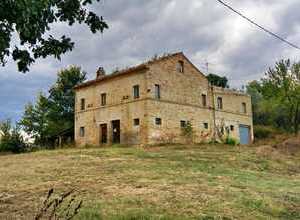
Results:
244 134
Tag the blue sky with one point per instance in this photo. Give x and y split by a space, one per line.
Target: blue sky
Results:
203 29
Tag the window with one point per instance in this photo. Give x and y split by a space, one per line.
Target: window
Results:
136 122
180 66
81 132
157 91
136 91
203 100
205 125
220 103
82 104
158 121
231 127
183 124
103 99
244 107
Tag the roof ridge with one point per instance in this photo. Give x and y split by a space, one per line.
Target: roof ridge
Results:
153 59
140 66
157 58
230 90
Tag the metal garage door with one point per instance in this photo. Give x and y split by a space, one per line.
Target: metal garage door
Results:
244 134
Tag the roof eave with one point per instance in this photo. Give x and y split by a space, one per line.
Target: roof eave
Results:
111 76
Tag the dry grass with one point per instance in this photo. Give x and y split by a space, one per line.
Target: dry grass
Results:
170 182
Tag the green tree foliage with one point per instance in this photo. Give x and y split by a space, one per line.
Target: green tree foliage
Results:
32 21
282 86
276 98
11 139
260 107
53 114
35 119
62 99
217 80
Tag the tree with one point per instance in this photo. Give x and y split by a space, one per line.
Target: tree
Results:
32 21
216 80
53 114
282 86
276 97
35 119
260 108
5 128
62 99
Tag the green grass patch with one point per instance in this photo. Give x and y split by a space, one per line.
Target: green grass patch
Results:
166 182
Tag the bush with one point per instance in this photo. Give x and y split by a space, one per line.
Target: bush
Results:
187 132
12 145
263 132
12 140
231 141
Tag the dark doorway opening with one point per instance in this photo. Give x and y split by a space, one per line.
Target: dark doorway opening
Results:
103 133
115 131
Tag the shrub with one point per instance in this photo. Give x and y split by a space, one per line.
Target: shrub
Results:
13 145
12 140
262 132
188 132
231 141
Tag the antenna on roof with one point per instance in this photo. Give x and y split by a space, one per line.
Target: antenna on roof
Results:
206 65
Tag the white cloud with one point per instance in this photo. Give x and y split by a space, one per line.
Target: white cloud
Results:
205 30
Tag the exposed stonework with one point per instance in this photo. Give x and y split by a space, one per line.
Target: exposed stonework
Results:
149 119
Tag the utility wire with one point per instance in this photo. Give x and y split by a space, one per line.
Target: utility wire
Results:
259 26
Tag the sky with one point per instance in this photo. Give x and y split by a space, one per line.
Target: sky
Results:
204 30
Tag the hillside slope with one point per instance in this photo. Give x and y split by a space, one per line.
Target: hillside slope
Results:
170 182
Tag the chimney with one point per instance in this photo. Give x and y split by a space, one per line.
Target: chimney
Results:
100 73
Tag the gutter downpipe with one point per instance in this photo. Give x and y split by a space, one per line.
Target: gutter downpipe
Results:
214 111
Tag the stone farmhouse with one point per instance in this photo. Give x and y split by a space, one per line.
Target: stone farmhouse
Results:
153 102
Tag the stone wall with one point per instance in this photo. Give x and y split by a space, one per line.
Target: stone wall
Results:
180 100
233 113
120 105
184 88
171 114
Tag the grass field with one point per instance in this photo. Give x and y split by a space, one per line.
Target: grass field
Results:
170 182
